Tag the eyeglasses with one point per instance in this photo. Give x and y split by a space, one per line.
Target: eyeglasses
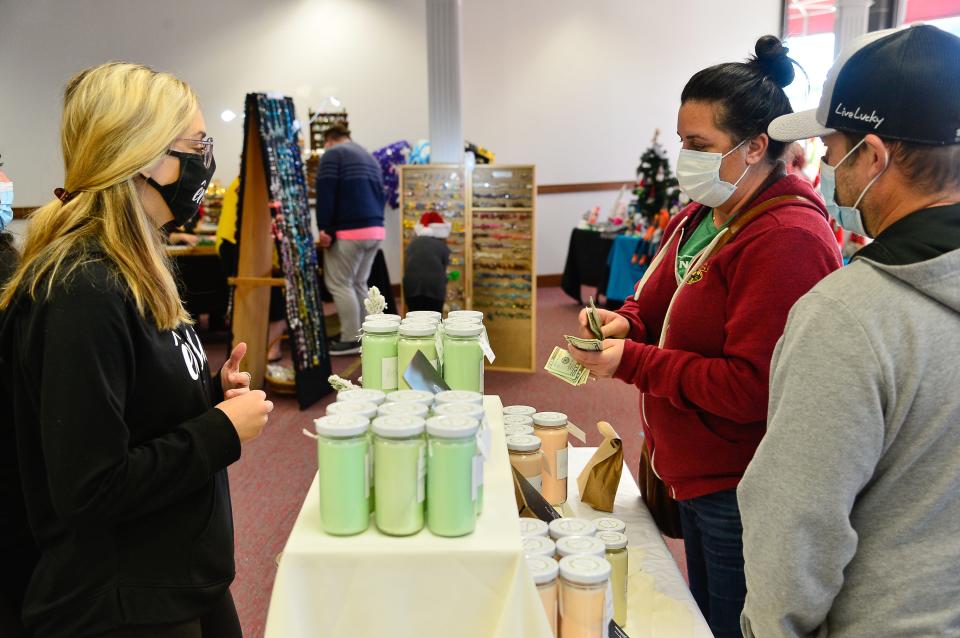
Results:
206 148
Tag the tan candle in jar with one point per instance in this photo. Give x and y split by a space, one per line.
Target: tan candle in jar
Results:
544 573
551 429
616 555
526 458
583 591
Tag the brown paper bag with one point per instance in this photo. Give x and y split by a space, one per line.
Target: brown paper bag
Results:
599 480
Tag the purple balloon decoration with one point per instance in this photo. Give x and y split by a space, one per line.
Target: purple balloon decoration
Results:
390 157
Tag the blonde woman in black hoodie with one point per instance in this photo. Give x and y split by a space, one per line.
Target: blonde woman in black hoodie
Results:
123 435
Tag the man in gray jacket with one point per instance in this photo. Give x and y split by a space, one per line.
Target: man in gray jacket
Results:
851 506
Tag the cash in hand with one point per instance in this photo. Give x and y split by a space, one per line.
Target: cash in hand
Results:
563 366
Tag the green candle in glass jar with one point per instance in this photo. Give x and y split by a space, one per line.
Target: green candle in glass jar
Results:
399 455
415 337
343 473
463 357
378 358
453 464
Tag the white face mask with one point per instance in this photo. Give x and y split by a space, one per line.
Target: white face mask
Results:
848 217
699 176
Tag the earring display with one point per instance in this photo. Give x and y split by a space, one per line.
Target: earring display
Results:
280 218
492 242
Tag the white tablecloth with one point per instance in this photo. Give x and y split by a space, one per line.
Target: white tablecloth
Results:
420 586
660 603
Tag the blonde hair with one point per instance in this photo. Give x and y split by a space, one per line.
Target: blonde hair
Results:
118 120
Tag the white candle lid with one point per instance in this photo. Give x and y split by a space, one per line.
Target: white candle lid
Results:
584 569
362 394
523 443
570 545
459 396
452 321
384 326
613 540
410 408
476 314
533 527
452 427
543 570
341 425
433 314
384 317
463 329
517 419
398 426
517 428
427 321
523 410
405 396
455 409
365 409
538 546
609 524
561 527
550 419
418 329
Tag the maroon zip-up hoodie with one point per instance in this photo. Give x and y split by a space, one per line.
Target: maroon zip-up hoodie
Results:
703 394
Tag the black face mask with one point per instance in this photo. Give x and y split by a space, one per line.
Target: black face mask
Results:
185 195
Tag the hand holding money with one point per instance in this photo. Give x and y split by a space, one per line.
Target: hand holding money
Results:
601 364
612 325
563 366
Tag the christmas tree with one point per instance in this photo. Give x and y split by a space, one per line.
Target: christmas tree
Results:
656 189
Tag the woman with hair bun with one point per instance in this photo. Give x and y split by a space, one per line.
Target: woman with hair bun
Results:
698 335
123 434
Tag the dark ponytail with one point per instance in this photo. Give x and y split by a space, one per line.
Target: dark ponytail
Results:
750 94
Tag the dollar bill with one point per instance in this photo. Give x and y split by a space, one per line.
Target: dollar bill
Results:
590 345
594 322
566 368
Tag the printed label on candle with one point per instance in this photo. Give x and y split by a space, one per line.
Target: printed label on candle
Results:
421 476
536 481
388 373
561 464
477 476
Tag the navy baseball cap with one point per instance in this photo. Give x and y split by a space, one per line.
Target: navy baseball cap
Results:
900 84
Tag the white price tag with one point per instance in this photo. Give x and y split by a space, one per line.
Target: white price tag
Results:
577 433
485 346
561 464
388 374
421 477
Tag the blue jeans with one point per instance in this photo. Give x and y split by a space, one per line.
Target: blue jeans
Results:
713 540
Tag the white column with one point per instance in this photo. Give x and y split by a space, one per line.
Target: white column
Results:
444 55
853 18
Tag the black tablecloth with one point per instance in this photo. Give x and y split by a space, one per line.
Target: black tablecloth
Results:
586 262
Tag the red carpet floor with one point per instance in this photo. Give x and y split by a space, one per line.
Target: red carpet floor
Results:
271 479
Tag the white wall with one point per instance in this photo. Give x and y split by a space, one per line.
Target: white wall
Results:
574 87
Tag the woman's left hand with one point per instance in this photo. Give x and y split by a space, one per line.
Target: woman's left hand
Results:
601 364
233 381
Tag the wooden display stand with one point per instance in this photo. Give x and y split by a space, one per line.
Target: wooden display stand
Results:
254 278
499 281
